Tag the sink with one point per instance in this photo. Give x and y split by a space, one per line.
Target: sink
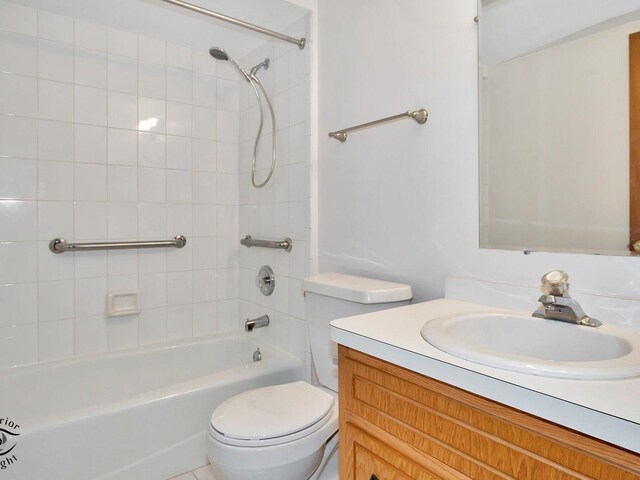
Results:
537 346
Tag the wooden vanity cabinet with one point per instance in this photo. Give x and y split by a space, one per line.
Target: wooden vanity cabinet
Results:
399 425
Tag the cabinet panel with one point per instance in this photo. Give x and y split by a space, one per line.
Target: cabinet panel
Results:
478 437
373 459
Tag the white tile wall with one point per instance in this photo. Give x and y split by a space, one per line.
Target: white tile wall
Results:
281 208
105 134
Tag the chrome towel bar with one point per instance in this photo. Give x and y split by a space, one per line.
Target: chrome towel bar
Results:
419 116
286 244
194 8
60 245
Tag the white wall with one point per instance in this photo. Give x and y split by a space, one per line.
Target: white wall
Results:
400 201
77 162
178 25
516 27
556 123
281 208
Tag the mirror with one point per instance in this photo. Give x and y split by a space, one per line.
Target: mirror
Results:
560 125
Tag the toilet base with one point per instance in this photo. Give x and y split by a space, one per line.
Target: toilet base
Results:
329 468
298 470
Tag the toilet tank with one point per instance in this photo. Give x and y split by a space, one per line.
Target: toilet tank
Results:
329 296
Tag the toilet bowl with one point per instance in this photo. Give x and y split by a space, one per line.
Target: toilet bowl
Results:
272 433
289 432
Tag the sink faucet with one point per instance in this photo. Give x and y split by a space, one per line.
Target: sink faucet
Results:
557 304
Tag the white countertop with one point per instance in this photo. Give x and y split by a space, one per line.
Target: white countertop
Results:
605 409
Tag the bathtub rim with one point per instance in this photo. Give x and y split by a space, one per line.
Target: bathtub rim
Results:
276 359
16 370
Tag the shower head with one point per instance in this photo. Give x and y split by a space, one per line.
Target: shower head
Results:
219 54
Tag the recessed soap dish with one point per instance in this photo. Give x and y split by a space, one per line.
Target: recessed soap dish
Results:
120 304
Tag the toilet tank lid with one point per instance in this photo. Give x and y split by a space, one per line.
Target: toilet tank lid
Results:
357 289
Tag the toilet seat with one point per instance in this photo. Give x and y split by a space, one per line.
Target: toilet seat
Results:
270 441
272 415
290 460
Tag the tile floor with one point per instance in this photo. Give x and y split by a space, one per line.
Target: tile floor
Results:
202 473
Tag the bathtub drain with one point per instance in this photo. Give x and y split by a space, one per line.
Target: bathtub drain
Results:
257 355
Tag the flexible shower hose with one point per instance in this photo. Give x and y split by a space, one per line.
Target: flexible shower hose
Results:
254 81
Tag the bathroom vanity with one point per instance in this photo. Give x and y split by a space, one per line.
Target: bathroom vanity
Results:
411 411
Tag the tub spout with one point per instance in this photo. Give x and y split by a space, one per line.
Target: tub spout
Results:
259 322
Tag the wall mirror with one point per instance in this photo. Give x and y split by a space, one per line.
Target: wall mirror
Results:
560 125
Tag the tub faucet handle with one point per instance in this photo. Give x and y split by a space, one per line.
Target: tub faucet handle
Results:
266 280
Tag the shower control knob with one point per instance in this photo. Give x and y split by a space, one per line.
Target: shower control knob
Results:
266 280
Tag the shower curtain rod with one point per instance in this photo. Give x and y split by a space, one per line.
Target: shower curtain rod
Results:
300 42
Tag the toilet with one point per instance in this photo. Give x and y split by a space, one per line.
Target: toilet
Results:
289 432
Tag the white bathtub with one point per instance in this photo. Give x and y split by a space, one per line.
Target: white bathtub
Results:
133 414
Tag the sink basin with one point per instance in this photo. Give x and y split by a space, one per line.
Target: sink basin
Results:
537 346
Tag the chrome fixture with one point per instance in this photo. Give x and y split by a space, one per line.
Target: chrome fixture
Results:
257 82
257 355
421 116
60 245
223 56
286 244
264 64
220 54
300 42
558 305
266 280
259 322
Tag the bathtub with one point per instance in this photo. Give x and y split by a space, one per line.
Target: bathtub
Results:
133 414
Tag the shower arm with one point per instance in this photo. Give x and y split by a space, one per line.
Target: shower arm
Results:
300 42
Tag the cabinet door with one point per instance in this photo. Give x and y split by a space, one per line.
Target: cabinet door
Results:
475 436
371 467
368 458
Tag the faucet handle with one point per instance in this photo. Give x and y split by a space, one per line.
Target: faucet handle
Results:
546 299
555 283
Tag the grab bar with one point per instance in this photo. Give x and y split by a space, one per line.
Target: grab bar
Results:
421 116
286 244
60 245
